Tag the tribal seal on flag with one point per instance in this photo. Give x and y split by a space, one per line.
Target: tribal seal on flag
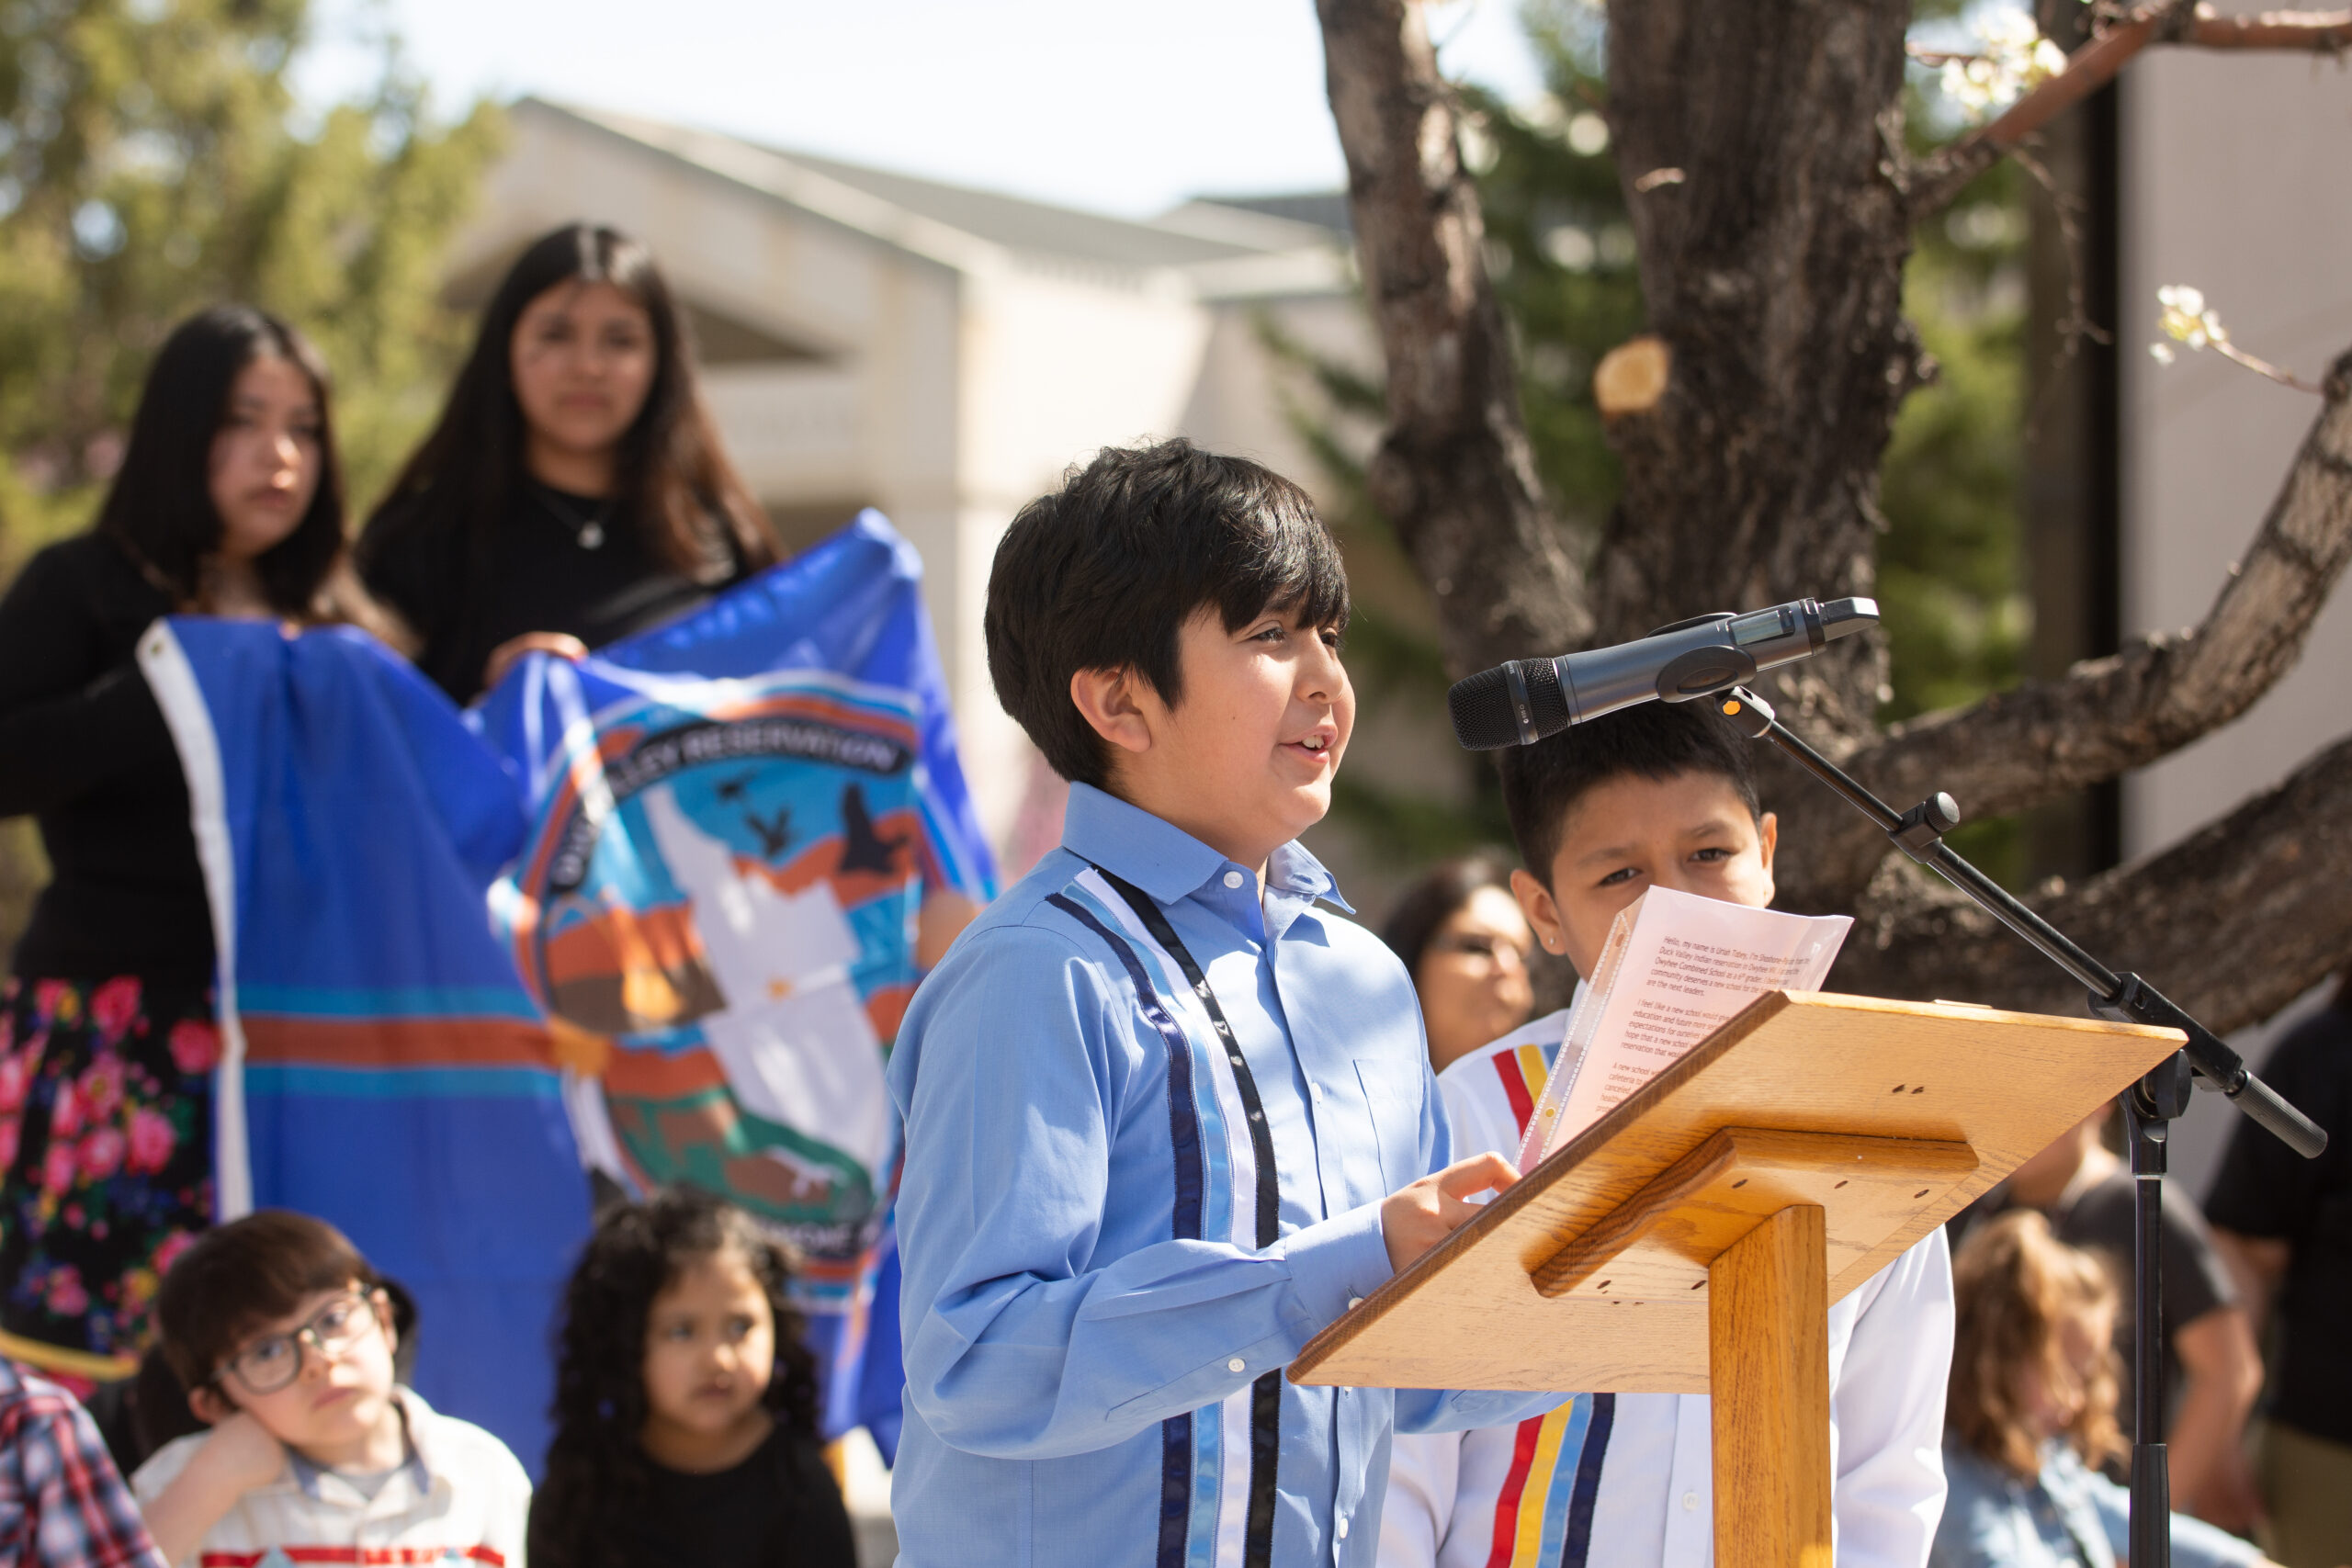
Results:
736 821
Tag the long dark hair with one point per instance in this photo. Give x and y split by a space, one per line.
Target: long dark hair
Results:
596 1474
160 507
672 477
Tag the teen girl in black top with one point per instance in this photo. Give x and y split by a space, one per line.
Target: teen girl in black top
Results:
574 491
229 503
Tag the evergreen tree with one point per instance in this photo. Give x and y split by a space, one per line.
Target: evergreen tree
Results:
152 160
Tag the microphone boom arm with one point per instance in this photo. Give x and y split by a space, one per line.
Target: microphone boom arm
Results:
1919 833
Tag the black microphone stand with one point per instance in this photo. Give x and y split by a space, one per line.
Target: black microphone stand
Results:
2149 1108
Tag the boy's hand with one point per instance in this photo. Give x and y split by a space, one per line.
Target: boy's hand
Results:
1425 1214
239 1455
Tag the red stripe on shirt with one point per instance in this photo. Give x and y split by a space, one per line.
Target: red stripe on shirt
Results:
358 1554
1523 1459
1522 1104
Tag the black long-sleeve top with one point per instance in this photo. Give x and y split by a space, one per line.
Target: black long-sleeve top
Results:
463 598
84 748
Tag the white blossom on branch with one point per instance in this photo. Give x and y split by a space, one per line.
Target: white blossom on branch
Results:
2013 58
2186 319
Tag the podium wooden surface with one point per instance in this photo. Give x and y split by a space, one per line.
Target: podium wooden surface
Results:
1696 1236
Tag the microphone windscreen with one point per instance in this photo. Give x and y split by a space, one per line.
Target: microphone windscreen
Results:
1480 704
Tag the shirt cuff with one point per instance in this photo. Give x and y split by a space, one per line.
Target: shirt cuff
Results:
1337 1263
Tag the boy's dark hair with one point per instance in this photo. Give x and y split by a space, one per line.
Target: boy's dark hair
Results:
1542 783
238 1276
597 1480
1102 573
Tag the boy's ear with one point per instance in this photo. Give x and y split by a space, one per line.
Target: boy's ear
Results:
1768 840
1542 912
207 1406
1113 701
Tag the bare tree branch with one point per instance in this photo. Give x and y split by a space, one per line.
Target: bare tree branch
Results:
1940 176
2047 738
2278 864
2326 32
2050 737
1454 472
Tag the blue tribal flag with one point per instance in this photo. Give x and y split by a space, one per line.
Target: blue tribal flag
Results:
736 821
383 1067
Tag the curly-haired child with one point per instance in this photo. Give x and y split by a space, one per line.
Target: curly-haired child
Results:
686 1407
2032 1411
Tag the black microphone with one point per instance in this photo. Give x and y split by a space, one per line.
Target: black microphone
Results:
1522 702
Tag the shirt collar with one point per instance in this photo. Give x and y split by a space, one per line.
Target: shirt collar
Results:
322 1483
1169 863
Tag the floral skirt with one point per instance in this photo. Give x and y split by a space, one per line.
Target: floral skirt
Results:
106 1158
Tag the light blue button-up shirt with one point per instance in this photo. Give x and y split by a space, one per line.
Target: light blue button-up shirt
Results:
2068 1517
1088 1316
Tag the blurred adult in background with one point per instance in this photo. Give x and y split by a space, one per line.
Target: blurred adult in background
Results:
2286 1224
574 491
2213 1369
2030 1417
228 502
1466 943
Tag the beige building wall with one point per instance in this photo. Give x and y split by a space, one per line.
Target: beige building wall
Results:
2237 180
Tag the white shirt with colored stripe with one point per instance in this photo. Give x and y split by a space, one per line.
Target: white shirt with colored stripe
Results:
1624 1481
462 1501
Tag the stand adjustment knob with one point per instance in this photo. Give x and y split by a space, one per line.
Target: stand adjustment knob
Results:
1924 826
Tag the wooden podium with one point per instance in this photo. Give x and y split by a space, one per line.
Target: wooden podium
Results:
1693 1240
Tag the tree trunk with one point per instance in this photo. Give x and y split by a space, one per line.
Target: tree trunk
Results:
1453 473
1772 240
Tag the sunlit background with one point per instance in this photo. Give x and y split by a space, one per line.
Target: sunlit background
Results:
1125 106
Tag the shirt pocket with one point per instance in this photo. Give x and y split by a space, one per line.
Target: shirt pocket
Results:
1392 1092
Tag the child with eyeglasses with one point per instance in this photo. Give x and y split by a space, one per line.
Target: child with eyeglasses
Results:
283 1335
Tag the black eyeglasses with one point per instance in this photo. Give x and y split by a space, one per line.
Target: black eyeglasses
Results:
275 1360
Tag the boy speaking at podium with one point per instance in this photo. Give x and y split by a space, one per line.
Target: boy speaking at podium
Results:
1658 795
1166 1118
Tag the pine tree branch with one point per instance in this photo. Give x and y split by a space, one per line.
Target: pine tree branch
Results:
2233 923
1937 179
1454 472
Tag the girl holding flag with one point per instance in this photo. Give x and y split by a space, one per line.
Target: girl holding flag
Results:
574 491
229 502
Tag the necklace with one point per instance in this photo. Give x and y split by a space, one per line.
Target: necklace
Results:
587 531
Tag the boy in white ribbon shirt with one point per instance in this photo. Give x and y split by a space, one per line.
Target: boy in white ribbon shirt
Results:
1658 796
